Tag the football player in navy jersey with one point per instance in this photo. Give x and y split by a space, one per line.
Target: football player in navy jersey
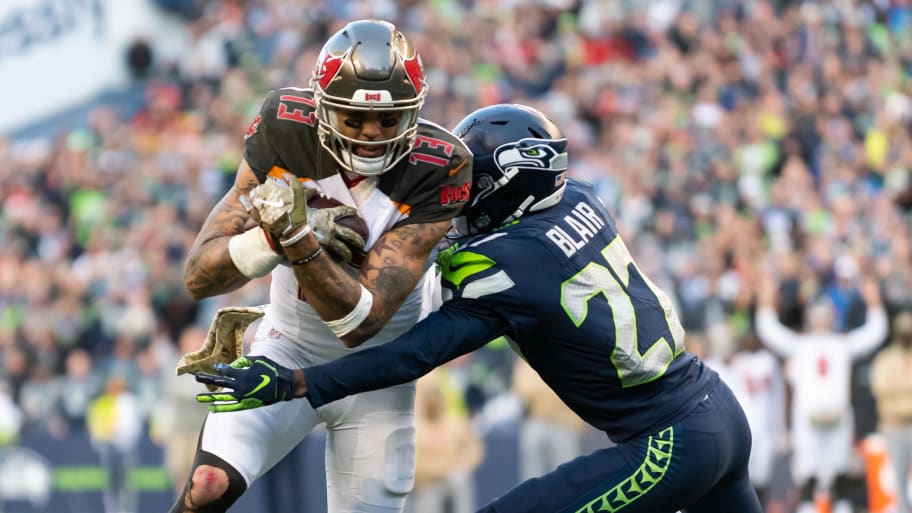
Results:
542 264
355 136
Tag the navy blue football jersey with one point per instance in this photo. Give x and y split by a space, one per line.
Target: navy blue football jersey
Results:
564 290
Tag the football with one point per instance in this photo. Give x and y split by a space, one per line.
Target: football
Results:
355 222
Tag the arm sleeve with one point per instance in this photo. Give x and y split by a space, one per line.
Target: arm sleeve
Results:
868 336
774 335
459 327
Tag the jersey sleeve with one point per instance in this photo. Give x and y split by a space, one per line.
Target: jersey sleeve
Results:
477 270
459 327
501 271
437 179
283 137
258 151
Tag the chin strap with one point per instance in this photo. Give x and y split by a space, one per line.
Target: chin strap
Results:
367 166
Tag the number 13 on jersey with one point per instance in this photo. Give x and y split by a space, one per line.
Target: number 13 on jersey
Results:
634 367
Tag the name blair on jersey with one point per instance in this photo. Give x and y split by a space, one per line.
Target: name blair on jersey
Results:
584 220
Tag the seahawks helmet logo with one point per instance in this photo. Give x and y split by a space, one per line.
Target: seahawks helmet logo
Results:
526 154
529 153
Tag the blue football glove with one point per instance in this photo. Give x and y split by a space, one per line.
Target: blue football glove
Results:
253 382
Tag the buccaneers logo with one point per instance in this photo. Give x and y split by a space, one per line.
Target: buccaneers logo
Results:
328 69
253 127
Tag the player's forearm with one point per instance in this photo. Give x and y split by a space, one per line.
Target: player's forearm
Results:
439 338
332 291
390 272
209 270
230 248
300 383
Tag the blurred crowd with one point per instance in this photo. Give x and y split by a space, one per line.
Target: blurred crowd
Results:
736 141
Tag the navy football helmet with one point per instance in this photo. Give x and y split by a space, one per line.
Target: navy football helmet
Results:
519 165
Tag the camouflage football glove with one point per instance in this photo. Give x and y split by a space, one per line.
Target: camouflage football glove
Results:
334 236
279 205
224 342
249 382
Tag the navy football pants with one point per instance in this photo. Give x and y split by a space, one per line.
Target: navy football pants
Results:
698 465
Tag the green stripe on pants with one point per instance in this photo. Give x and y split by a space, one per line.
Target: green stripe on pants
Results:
650 472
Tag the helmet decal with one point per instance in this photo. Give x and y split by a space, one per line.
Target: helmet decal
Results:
415 73
382 96
328 69
530 153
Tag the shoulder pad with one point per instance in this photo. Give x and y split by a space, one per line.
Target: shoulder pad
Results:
437 147
284 137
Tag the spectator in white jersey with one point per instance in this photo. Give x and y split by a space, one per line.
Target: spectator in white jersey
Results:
819 365
761 392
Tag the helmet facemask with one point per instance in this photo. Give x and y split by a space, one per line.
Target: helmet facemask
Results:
341 146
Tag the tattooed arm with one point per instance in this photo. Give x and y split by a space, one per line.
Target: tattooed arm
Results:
390 272
209 270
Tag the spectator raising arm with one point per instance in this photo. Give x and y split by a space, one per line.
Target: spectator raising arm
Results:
770 330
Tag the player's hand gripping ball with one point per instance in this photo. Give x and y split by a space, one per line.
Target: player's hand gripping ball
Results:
279 205
339 228
282 205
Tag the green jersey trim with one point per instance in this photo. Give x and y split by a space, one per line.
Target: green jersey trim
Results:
463 264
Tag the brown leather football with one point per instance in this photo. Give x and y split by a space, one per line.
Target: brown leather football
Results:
355 222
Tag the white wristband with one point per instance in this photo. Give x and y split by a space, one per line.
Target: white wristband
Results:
347 324
252 254
296 237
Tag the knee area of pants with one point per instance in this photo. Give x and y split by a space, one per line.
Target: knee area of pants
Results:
209 484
